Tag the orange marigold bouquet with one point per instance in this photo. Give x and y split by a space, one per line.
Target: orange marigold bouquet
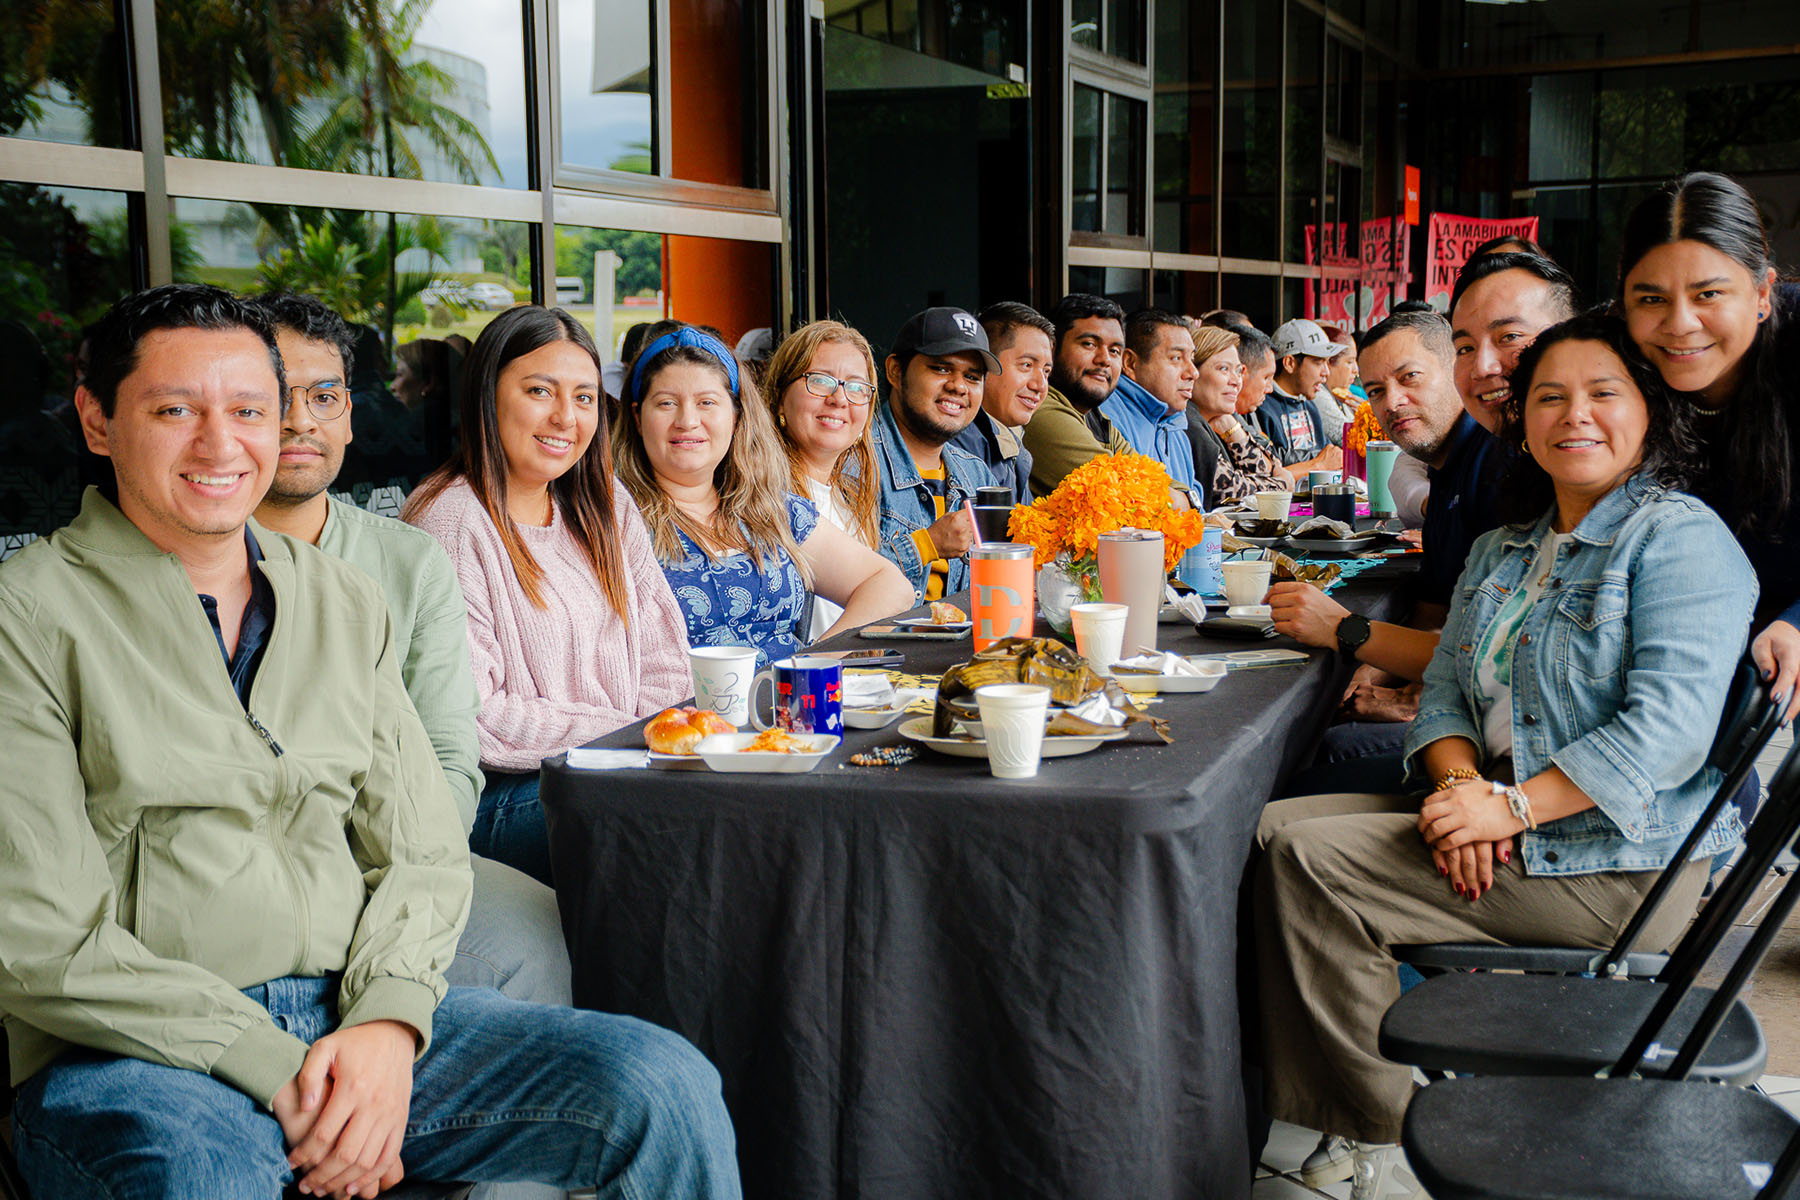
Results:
1362 429
1105 494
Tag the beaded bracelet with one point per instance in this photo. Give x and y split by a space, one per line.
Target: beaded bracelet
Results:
1460 775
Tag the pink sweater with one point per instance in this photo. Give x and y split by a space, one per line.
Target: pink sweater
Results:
558 676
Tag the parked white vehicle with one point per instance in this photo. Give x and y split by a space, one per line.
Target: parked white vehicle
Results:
491 295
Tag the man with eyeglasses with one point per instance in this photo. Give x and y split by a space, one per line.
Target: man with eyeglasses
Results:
937 373
513 940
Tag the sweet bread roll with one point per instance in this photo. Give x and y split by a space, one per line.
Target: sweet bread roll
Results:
675 730
943 613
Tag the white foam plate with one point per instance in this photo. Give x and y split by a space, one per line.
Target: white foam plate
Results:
725 752
1058 746
871 718
1250 612
1132 681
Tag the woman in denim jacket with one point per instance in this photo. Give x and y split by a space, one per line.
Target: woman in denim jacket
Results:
1562 738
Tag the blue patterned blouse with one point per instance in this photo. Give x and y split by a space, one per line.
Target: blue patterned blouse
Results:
729 602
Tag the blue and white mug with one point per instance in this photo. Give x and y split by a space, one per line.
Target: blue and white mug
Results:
808 695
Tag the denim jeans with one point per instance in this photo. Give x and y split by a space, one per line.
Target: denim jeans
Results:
507 1091
509 824
513 943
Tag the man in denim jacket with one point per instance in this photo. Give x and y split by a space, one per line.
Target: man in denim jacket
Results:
936 374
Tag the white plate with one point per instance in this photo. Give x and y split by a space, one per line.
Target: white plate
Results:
1263 543
1058 746
725 752
1338 545
675 762
1131 681
928 623
1250 612
871 718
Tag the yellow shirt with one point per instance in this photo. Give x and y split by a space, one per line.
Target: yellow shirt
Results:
936 568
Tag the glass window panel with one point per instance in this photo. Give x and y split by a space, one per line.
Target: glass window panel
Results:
1191 293
1084 23
1126 285
61 74
727 285
1186 64
64 254
1125 150
636 266
1515 34
1085 148
1305 99
431 90
717 111
402 402
1343 91
1252 295
986 37
1124 29
1252 123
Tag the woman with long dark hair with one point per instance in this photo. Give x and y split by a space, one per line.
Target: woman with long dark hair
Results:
1587 640
1697 289
573 631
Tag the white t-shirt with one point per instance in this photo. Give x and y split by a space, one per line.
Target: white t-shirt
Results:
832 508
1493 657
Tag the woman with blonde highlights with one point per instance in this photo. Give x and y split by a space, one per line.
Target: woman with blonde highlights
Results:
699 452
821 389
573 631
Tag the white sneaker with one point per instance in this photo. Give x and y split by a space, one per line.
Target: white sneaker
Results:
1329 1162
1379 1173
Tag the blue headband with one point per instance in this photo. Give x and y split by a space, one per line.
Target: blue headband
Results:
688 336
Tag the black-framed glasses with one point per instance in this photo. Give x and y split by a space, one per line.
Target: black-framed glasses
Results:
825 386
324 400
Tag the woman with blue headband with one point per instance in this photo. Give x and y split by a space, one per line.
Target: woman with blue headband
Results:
572 630
698 451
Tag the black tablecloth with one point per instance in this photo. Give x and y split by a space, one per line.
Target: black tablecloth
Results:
923 982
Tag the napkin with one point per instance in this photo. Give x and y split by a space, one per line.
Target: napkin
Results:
1096 709
868 691
1338 528
584 759
1161 664
1190 605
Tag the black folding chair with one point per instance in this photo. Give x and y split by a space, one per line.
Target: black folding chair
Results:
1622 1136
1746 724
1576 1024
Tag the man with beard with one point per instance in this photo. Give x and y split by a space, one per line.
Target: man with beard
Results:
1501 303
937 374
1021 340
1069 428
1407 365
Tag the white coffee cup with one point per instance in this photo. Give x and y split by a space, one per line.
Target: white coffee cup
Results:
722 679
1247 582
1099 633
1012 722
1274 506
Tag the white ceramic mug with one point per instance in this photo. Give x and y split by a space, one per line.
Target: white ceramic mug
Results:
1274 506
1099 633
722 677
1012 723
1247 582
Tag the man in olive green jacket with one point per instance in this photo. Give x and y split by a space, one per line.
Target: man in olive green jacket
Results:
234 875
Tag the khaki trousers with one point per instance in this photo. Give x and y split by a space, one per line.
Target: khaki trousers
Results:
1343 877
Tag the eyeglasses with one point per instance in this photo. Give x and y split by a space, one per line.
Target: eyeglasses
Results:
325 400
825 386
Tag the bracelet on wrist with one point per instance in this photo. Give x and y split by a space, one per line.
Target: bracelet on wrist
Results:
1459 775
1517 802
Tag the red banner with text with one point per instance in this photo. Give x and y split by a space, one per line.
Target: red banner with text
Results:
1453 238
1380 260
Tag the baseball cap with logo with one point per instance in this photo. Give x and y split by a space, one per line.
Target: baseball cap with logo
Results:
1301 336
939 331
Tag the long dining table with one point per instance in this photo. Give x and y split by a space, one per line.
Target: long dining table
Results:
923 982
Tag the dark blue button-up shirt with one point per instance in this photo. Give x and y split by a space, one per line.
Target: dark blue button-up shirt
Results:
253 629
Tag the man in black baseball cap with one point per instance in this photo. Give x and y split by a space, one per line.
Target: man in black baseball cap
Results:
936 373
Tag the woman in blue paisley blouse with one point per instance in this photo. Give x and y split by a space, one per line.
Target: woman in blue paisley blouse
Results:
699 453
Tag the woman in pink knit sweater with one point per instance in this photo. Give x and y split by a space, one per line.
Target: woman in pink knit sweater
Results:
573 631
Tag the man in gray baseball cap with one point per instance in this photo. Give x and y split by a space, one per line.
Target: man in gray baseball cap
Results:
1303 356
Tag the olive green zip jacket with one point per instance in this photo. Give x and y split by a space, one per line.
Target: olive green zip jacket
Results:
161 848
